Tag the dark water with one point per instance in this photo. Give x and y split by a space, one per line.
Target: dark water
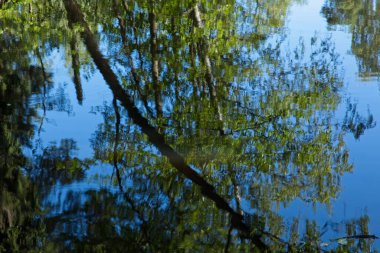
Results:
184 126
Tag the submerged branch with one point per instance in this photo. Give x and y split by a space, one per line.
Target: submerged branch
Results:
371 237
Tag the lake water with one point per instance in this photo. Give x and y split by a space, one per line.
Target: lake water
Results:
182 126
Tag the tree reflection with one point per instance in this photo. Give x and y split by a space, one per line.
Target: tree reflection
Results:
362 19
25 86
211 124
18 198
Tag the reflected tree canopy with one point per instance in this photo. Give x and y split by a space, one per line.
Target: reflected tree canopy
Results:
362 18
215 123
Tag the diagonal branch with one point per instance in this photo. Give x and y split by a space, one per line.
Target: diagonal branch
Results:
76 16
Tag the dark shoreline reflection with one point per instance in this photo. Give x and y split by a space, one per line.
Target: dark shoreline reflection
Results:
222 112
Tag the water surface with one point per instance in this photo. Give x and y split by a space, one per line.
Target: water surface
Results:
182 126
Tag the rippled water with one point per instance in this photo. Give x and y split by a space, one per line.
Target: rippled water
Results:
182 126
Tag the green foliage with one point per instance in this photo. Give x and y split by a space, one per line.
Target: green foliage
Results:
361 17
254 117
